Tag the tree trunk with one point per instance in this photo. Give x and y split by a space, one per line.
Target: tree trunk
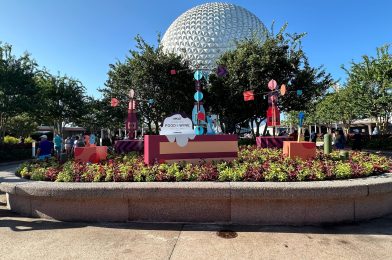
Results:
258 123
3 123
265 129
156 127
252 129
223 127
258 128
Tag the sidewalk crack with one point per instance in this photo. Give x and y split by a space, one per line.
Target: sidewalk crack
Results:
175 244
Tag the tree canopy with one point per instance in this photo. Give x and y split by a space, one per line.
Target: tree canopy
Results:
17 85
62 100
370 81
252 65
147 71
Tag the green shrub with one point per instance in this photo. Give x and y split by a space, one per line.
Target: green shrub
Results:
11 140
24 172
233 172
28 140
66 174
146 174
38 174
252 165
275 173
367 168
343 170
317 171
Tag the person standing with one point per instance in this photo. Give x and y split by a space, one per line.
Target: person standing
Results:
92 138
313 137
306 135
45 148
68 146
58 142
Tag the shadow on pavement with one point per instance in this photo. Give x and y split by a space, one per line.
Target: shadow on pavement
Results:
380 226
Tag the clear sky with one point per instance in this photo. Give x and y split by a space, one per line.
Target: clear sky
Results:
81 38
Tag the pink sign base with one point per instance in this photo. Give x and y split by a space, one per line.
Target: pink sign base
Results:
158 149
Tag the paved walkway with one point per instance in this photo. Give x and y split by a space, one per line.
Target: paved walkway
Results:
29 238
7 173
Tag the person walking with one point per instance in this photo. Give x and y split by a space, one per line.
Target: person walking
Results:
306 135
357 143
340 140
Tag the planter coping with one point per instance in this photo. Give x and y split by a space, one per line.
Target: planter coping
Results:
311 190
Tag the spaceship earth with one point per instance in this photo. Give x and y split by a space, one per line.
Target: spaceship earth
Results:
205 32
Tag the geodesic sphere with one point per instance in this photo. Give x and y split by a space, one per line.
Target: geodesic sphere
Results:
205 32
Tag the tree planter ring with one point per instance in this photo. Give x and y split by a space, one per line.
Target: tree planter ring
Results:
268 203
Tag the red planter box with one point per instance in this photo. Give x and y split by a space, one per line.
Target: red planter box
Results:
203 148
127 146
271 141
303 150
92 153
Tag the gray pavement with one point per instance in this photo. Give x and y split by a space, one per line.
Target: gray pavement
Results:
7 173
31 238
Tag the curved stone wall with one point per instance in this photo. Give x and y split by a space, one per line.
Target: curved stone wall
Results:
290 203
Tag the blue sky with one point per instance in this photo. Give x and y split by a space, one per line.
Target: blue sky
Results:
81 38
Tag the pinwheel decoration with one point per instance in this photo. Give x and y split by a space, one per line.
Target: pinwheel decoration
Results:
273 112
131 122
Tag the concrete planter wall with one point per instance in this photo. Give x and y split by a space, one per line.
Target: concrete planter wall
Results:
205 202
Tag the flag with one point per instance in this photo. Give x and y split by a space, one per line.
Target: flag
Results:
249 95
221 71
114 102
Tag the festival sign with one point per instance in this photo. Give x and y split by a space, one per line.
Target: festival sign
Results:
178 129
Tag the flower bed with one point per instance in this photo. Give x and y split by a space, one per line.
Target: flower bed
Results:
252 165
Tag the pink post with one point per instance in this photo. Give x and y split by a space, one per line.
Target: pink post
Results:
131 124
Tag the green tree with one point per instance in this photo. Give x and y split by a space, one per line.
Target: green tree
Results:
99 114
147 71
62 100
370 81
251 66
17 86
22 125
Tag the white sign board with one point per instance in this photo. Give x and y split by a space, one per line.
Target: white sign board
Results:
178 129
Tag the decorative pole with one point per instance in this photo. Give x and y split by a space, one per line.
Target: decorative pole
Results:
131 124
273 113
198 112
